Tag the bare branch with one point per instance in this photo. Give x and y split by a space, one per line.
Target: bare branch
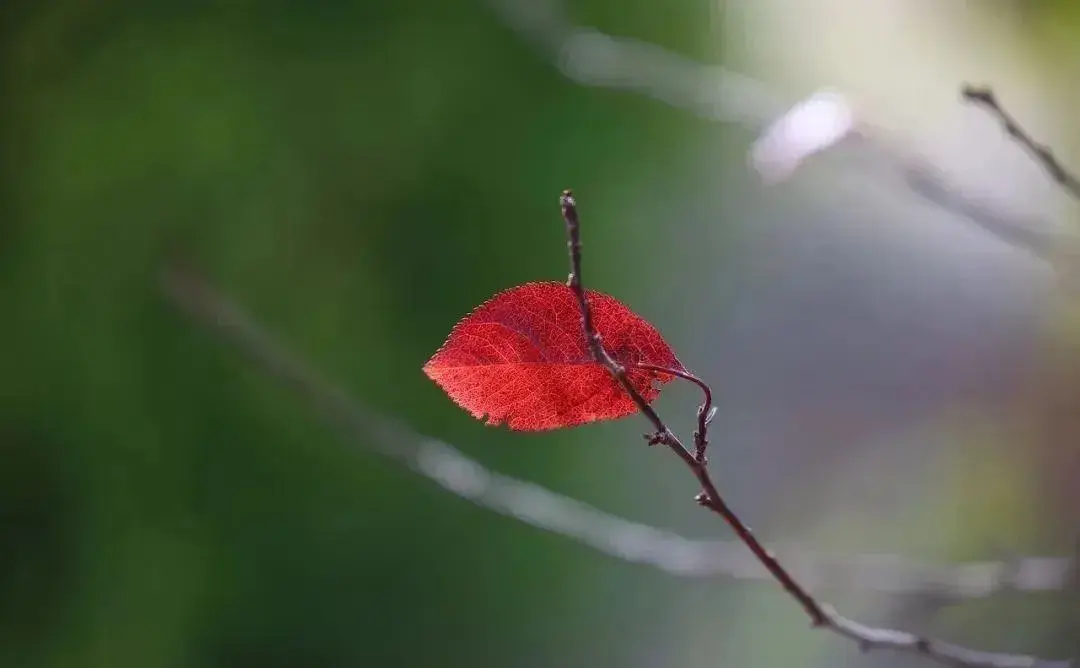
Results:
573 244
705 412
592 58
821 615
870 638
984 97
709 496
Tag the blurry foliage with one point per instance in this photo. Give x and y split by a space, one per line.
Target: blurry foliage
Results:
356 173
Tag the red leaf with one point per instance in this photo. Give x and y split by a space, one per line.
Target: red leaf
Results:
521 358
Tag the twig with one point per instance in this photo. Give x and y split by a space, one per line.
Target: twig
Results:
821 615
573 243
984 97
705 411
709 497
661 435
201 302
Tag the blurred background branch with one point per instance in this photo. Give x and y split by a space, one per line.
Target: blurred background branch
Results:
550 511
593 58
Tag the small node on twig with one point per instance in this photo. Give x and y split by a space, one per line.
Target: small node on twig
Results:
702 499
922 645
655 438
973 93
865 646
699 453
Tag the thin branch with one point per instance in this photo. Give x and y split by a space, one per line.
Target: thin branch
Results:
618 371
709 497
821 615
1042 154
593 58
705 412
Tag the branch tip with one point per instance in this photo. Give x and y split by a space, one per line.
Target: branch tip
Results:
984 96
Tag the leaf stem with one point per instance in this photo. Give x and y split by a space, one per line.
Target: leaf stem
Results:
705 411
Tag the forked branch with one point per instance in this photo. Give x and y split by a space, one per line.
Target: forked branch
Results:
821 615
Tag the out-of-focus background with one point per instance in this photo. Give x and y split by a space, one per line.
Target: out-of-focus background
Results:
893 378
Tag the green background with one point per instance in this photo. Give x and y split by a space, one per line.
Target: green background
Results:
359 175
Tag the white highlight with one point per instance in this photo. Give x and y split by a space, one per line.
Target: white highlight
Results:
817 123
